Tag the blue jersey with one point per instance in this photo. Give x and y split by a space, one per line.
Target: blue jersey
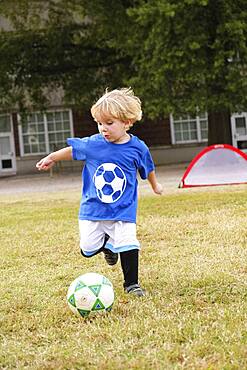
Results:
109 176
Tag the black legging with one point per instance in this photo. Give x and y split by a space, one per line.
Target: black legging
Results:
129 263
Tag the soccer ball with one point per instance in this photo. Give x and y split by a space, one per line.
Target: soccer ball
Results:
110 182
90 292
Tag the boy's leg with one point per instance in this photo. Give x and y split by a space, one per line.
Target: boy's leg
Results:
110 257
122 236
129 263
93 240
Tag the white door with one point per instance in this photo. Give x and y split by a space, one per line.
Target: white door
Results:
7 149
239 130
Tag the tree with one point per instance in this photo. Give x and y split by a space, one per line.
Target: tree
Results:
192 56
59 44
180 56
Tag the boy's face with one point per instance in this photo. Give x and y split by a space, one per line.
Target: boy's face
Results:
113 130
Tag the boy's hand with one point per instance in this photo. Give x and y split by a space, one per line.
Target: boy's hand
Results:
158 188
64 154
45 164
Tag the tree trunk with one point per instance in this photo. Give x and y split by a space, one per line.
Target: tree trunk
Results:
219 128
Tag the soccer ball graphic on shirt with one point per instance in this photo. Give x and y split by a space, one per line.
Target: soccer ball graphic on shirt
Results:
90 293
110 182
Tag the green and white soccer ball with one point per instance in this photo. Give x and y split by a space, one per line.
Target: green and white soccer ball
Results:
90 292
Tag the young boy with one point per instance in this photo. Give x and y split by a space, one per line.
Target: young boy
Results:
107 217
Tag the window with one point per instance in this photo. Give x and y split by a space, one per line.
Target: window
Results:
186 129
43 133
5 123
241 128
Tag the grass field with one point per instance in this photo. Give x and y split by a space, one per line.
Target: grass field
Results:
193 264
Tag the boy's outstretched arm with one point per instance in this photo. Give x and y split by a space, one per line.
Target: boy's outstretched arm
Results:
48 162
156 186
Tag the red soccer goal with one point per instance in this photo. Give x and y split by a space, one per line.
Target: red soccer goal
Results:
220 164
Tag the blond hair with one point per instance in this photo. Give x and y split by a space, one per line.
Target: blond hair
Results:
121 104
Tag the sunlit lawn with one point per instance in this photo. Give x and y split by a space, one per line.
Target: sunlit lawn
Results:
193 265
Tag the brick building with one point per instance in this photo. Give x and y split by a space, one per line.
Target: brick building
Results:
171 140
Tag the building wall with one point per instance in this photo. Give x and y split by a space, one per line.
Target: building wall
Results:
84 125
154 133
164 155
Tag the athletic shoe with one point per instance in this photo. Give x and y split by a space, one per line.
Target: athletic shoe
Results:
136 290
110 257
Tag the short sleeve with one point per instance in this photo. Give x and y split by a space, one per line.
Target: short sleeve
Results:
79 148
146 165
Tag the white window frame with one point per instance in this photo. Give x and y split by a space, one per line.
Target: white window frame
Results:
46 130
237 136
198 129
12 154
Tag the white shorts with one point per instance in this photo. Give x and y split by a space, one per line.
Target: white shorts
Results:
122 236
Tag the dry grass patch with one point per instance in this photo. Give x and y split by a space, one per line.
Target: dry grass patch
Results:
193 264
